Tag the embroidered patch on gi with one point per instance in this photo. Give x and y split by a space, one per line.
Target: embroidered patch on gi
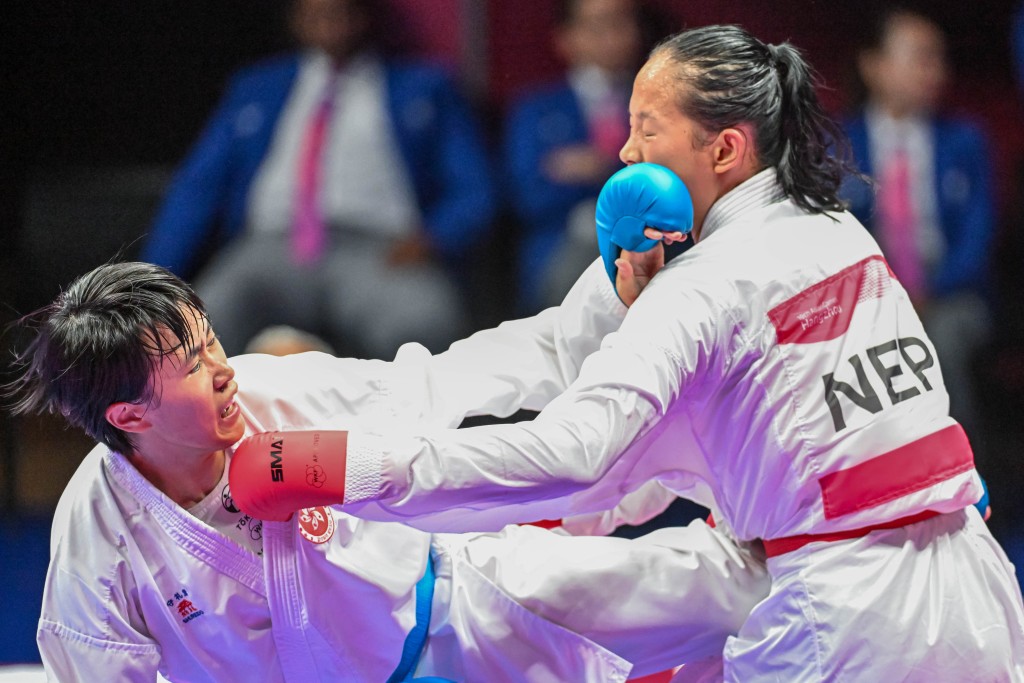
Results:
316 524
185 608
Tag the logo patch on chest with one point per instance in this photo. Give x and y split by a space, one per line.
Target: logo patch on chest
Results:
316 524
184 607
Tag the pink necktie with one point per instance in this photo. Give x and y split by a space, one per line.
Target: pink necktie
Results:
609 126
309 234
897 223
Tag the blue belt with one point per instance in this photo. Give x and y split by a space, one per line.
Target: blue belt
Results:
417 637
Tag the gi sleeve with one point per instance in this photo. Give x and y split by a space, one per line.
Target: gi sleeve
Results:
636 507
520 364
71 657
90 639
583 440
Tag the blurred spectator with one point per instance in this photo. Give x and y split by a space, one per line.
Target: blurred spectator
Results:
562 142
284 340
340 181
932 209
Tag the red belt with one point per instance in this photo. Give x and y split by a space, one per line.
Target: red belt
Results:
781 546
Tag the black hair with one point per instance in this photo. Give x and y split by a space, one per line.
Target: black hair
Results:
99 343
733 78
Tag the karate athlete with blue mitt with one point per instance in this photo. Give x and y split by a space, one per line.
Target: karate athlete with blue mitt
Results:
776 372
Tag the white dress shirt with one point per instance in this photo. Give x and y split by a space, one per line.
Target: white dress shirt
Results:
365 184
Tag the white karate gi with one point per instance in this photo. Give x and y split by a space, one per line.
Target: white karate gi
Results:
137 585
777 373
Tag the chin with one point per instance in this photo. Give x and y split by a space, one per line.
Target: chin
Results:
231 437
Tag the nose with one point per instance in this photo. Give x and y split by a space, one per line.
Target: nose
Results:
629 153
222 374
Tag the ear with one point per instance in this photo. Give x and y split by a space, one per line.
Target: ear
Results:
128 417
733 148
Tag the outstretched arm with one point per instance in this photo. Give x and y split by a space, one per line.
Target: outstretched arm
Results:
607 434
520 364
570 447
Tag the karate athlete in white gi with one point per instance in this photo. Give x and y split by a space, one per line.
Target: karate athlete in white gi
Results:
776 372
155 570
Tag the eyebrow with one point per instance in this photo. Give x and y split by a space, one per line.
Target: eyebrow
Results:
194 351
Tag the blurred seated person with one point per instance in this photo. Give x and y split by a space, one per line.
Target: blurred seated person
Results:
932 208
285 340
342 184
562 142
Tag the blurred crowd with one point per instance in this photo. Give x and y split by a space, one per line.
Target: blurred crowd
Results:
344 191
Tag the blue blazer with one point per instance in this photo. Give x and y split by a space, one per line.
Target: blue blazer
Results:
537 124
436 132
963 178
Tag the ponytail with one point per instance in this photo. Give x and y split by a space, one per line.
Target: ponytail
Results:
734 78
807 167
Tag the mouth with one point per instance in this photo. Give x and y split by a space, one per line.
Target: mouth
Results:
229 410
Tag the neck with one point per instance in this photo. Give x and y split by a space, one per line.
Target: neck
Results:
729 182
186 480
698 225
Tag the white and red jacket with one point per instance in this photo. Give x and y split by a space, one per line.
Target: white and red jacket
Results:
776 372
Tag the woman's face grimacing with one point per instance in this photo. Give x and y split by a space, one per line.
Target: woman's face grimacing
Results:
661 134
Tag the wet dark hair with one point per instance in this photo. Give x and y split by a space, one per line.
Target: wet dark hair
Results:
99 343
731 78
